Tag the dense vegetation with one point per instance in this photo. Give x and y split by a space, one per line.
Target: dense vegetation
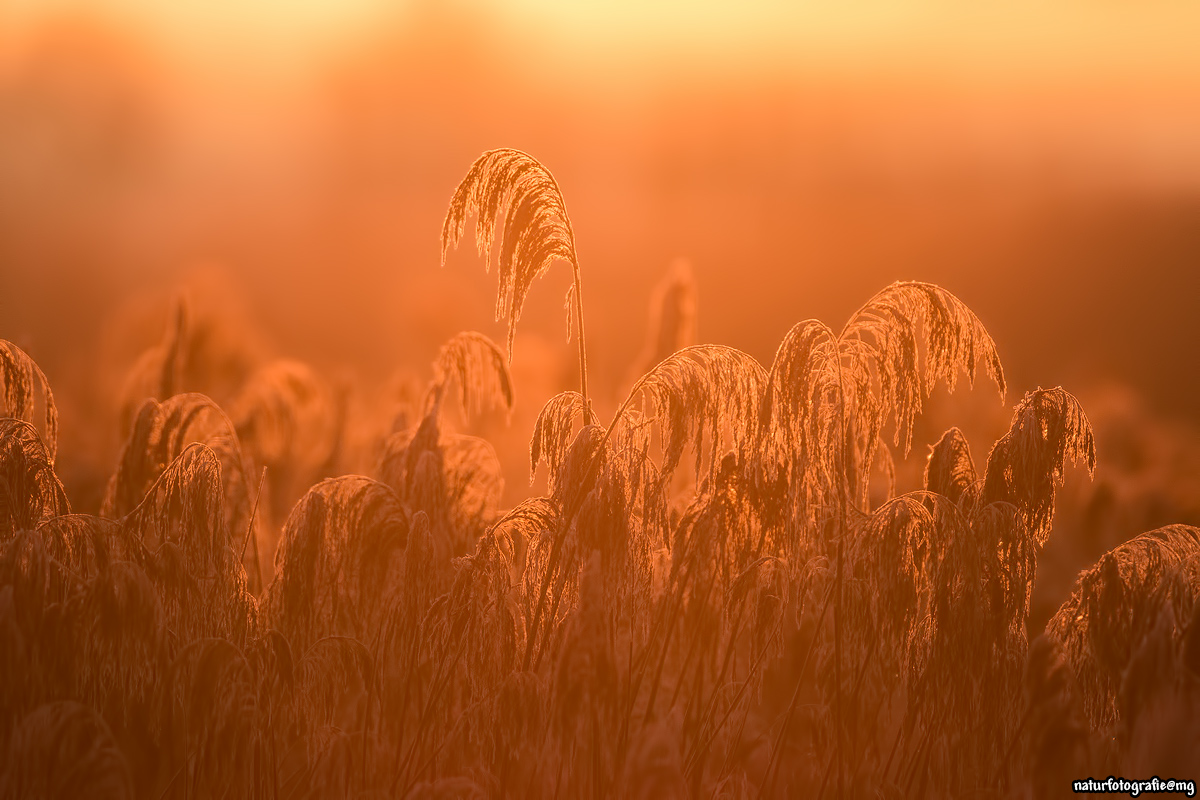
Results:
722 593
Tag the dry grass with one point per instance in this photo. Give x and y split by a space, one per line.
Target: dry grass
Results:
779 619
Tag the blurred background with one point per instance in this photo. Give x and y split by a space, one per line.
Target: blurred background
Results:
291 161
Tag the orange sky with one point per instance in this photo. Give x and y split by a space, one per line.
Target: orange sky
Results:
828 148
1097 41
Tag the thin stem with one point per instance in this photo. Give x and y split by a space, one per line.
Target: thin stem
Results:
578 286
587 403
262 584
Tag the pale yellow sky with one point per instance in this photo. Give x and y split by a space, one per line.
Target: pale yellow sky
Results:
1016 40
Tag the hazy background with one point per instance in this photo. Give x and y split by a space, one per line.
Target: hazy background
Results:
1040 160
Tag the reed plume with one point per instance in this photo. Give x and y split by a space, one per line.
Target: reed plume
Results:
553 432
477 365
698 394
23 387
1026 466
160 371
673 317
535 231
830 394
1116 601
950 470
29 490
160 434
454 479
290 420
342 548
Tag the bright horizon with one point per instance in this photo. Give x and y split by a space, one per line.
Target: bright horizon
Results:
1105 44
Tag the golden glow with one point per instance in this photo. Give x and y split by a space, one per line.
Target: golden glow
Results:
1096 41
